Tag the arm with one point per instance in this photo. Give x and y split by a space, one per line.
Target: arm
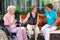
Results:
7 20
54 23
26 19
56 18
12 22
41 14
37 20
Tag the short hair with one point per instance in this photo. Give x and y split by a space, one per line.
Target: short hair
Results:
50 6
11 6
33 7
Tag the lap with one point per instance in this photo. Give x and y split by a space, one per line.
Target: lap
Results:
51 29
13 29
45 28
32 27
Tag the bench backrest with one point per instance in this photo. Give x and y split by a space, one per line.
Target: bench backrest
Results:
42 21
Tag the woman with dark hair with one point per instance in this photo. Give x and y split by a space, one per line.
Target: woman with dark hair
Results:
51 25
32 19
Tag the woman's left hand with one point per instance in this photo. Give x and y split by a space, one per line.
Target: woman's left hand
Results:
49 26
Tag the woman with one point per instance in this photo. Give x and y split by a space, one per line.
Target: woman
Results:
9 19
51 25
32 20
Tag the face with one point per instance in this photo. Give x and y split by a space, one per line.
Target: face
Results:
35 10
12 11
48 9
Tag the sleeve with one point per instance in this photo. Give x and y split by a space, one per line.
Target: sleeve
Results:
45 13
55 15
6 20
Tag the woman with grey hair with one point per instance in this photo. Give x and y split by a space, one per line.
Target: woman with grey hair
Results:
9 19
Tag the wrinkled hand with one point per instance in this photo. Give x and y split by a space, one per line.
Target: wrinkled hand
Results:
15 21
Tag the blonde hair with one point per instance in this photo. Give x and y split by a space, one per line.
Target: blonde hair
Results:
11 6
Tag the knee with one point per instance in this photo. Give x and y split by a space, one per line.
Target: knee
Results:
36 29
24 31
19 31
47 31
28 29
42 29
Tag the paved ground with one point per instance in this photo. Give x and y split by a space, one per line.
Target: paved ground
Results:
3 35
52 37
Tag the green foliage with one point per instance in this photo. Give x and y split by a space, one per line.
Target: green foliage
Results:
46 2
17 14
1 15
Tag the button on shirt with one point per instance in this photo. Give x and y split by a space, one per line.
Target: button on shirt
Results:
51 17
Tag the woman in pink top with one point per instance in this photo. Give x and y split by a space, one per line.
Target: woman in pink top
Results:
9 19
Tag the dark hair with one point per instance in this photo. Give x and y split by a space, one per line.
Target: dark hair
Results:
50 6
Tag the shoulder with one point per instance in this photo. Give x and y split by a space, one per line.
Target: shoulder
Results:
6 15
54 12
28 13
38 14
46 12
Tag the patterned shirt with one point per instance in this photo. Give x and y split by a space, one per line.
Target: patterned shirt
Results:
9 19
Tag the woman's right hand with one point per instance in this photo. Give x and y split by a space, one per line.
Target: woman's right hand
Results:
15 21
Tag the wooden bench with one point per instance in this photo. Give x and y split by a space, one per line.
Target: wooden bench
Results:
54 32
42 22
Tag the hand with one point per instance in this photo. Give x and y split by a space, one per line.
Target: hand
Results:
15 21
36 24
49 26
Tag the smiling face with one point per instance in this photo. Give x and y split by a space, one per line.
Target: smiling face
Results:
12 11
49 7
34 9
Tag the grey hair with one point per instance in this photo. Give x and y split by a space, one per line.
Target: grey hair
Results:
11 6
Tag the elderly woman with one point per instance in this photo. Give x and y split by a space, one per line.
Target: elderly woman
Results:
9 19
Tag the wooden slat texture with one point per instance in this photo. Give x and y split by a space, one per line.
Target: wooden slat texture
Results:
42 21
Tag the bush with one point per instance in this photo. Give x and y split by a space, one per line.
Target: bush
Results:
17 14
1 15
